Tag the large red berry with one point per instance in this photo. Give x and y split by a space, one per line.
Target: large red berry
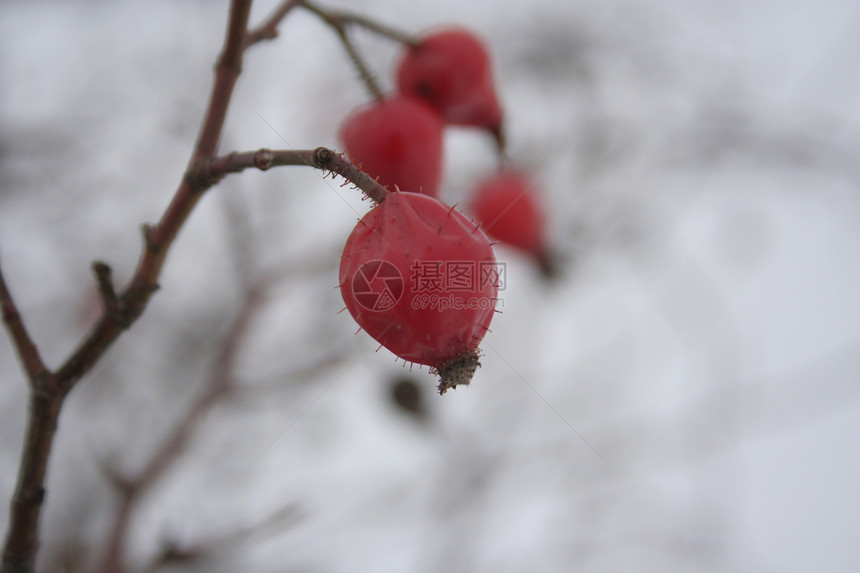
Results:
506 206
398 140
451 69
421 279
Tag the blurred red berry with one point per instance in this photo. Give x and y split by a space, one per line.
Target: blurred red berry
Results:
399 141
451 70
421 279
506 206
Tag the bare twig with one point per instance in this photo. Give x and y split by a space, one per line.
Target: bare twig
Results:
346 18
220 383
25 509
363 69
48 390
174 553
338 22
268 30
22 537
31 361
263 159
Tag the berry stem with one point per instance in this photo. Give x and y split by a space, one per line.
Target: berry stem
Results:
338 22
212 170
268 30
501 145
363 70
346 18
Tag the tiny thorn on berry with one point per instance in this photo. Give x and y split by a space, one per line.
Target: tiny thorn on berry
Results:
457 372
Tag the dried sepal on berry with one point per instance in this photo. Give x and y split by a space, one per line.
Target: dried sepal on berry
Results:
457 372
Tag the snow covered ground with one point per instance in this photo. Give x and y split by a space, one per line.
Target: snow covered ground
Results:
685 398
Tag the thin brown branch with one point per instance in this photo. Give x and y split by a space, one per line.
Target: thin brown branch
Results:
261 387
268 30
122 309
338 22
347 18
264 159
22 537
110 302
221 381
173 553
26 349
378 28
227 70
158 239
48 391
361 66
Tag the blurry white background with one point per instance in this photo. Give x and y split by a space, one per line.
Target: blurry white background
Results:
684 397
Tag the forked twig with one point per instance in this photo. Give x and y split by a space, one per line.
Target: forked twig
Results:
346 18
48 389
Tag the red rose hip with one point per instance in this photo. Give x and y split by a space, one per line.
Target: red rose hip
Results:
506 207
398 141
421 279
451 70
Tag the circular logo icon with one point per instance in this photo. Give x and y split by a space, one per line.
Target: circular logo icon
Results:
377 285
